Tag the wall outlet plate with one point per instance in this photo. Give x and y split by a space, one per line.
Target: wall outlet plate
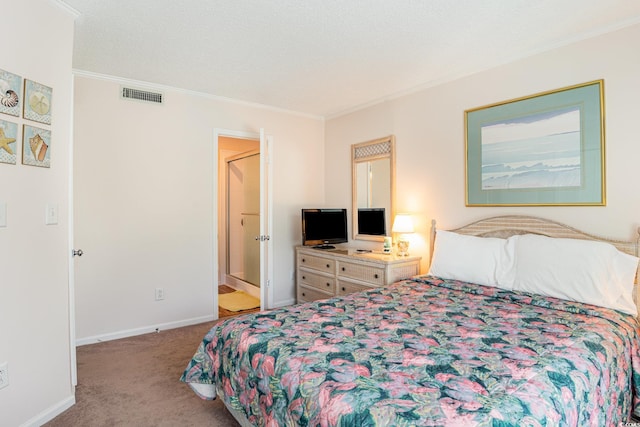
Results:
3 214
51 214
159 294
4 374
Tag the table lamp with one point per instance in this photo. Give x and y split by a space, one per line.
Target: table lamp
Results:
403 225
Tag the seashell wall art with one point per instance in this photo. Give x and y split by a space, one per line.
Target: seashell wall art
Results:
36 146
10 93
8 145
37 102
35 105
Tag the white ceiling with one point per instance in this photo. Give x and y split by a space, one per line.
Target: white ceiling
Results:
324 57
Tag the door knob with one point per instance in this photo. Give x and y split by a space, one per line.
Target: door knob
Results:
77 252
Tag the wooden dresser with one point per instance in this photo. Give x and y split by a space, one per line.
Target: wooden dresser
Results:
325 273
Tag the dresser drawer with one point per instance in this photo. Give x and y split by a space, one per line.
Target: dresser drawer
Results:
305 294
345 288
316 280
366 273
317 263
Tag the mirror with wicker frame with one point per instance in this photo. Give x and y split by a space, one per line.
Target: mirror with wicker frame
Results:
373 188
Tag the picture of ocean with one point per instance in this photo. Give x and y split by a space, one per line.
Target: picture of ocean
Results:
537 151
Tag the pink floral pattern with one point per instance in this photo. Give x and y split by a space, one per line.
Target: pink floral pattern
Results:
426 352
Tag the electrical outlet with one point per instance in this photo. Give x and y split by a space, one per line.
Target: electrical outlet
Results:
4 375
159 294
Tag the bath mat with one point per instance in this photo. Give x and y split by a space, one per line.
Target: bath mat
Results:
237 301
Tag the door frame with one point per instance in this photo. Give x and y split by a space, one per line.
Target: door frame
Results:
265 180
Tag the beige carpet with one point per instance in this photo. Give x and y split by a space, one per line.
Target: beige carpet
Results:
135 382
238 301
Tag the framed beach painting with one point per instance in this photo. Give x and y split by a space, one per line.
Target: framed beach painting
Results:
540 150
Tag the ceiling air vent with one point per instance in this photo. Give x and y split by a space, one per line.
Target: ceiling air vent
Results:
141 95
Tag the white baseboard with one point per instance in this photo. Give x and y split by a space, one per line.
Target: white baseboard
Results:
51 412
240 285
254 291
284 303
143 330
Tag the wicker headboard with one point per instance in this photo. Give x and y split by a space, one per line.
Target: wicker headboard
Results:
509 225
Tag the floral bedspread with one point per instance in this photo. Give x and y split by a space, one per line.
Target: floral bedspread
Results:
426 352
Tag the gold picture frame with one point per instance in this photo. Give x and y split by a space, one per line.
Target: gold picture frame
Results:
545 149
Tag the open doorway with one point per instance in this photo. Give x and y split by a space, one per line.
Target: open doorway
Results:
238 225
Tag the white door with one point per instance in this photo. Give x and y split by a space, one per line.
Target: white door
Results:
266 244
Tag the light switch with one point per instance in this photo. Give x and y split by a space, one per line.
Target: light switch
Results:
51 215
3 214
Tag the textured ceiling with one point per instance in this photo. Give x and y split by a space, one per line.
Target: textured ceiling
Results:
324 57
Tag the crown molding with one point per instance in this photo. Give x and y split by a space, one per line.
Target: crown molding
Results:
64 6
485 67
153 86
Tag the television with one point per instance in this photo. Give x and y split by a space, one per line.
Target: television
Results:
371 221
322 228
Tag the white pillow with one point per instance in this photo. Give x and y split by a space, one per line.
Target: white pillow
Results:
577 270
484 260
626 267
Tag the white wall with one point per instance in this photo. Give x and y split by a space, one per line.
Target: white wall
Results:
429 129
145 178
34 300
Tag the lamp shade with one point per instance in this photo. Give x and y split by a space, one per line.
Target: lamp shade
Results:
403 223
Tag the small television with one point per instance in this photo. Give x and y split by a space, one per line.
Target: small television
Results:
371 221
324 227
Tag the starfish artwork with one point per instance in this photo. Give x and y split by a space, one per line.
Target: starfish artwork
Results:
4 142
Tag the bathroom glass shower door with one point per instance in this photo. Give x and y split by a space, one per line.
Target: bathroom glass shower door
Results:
243 218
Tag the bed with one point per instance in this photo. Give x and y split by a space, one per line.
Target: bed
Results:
443 351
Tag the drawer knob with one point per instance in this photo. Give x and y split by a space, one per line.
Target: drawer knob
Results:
328 285
304 277
304 260
328 266
304 295
343 289
375 275
344 269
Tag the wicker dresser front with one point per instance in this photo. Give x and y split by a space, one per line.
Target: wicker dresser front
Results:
323 273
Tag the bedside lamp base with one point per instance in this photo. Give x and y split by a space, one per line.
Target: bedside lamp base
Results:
403 247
